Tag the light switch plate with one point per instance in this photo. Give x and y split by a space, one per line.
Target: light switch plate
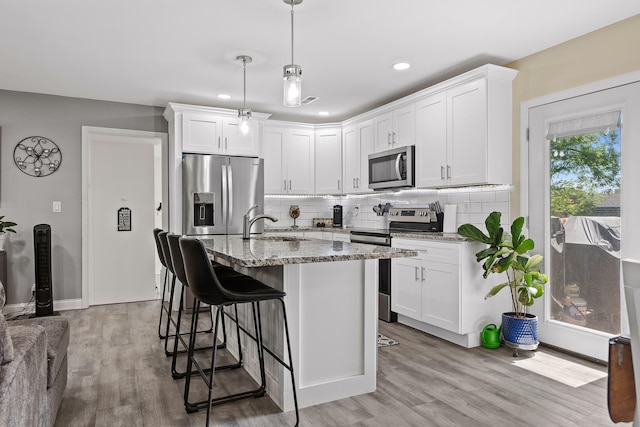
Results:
57 206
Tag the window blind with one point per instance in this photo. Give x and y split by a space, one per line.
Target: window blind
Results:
601 122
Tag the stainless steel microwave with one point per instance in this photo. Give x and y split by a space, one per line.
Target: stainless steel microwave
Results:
392 169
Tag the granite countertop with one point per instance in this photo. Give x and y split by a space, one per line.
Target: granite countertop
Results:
445 237
264 251
303 229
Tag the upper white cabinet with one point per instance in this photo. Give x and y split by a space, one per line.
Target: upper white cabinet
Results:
289 164
328 161
463 130
395 128
209 130
357 141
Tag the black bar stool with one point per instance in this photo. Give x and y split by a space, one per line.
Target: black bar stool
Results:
171 320
163 308
178 270
209 288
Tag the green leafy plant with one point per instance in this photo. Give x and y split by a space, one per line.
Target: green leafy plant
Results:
6 226
509 255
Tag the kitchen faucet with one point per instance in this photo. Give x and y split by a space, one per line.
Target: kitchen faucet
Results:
246 227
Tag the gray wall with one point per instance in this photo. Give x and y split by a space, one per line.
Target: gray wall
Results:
28 200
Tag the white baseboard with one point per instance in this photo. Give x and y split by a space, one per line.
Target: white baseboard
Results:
65 304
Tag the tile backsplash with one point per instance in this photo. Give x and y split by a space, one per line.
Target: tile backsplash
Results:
473 205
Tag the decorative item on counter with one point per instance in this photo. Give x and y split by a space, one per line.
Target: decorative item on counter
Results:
294 212
322 222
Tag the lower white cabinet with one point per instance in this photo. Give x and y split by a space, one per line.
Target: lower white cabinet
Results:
427 288
441 291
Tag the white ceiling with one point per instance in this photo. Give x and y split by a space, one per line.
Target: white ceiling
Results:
157 51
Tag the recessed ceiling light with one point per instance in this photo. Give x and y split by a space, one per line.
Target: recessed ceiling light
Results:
323 113
224 96
401 66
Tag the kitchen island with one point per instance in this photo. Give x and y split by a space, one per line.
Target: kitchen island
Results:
332 308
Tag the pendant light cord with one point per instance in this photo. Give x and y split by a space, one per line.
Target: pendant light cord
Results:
292 33
244 66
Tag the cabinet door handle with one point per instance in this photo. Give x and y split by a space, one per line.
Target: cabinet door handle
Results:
441 172
393 138
285 185
289 185
338 184
448 172
219 143
422 274
389 138
416 273
354 183
357 182
226 143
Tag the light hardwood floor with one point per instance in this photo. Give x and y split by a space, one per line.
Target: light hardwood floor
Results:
119 376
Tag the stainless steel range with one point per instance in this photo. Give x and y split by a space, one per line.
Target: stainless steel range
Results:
426 219
411 220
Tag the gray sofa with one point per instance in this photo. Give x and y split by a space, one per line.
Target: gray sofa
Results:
32 384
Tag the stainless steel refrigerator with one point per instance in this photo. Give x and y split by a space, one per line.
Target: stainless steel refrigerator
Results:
218 190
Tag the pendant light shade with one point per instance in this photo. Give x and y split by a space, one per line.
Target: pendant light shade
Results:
244 114
292 73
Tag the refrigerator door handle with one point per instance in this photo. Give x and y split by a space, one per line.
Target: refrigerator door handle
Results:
230 194
225 189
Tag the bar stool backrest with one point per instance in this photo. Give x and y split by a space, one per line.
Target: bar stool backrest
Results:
164 244
176 258
157 231
202 278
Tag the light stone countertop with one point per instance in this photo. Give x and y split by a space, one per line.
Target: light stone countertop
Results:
443 237
446 237
264 251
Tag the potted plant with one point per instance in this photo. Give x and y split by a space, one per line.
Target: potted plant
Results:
5 227
509 254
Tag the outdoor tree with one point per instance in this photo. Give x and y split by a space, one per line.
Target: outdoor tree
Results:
584 170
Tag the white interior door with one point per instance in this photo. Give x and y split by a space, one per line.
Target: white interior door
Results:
582 243
120 176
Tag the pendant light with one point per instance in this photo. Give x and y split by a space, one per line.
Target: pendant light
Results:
292 72
244 114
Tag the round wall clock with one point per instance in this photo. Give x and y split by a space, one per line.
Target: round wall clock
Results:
37 156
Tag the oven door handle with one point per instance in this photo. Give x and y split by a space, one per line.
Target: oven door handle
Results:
398 160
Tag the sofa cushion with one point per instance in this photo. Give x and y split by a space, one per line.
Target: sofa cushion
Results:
22 382
57 329
6 344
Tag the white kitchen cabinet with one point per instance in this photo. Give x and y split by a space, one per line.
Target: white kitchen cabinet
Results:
441 291
395 128
214 134
337 236
357 145
426 288
431 144
316 235
328 161
463 130
406 289
289 164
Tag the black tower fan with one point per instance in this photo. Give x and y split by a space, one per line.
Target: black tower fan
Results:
42 248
